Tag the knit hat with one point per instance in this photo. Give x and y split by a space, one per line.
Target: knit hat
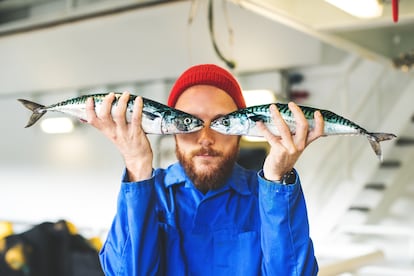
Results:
207 74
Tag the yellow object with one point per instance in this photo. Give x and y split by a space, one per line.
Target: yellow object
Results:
96 243
6 229
63 224
2 245
72 228
15 257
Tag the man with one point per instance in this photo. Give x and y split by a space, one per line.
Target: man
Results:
206 215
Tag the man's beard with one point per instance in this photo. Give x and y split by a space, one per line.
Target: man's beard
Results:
214 178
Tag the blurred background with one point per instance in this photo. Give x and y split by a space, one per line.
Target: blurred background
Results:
314 52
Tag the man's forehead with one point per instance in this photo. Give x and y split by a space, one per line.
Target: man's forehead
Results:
207 100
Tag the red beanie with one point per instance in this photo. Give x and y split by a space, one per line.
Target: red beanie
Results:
207 74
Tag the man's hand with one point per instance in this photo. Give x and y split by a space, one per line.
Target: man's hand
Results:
286 149
129 138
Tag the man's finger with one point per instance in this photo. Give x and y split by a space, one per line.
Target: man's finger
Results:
267 134
318 129
280 123
106 107
90 110
119 114
136 118
302 126
283 129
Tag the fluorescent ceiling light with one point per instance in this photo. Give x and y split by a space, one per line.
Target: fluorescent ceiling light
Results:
359 8
57 125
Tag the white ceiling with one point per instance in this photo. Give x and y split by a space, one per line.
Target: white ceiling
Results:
114 29
119 45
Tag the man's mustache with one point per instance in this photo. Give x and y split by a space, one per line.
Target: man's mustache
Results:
206 151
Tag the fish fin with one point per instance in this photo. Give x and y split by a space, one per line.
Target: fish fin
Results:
259 118
374 140
150 115
37 110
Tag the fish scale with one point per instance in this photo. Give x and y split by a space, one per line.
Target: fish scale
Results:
244 122
328 116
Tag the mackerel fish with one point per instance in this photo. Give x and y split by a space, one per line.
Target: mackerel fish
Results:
156 117
243 122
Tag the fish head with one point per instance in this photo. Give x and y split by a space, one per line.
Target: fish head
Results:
185 123
235 123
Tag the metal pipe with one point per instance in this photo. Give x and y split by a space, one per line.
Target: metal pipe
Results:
75 15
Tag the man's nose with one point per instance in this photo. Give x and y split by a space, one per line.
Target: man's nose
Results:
206 137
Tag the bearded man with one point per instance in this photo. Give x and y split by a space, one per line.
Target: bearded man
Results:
205 214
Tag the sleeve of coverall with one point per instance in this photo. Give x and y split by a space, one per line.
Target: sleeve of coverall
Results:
286 245
132 245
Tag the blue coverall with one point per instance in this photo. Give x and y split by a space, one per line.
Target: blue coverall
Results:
250 226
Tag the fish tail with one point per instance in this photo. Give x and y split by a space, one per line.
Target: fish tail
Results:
37 109
374 140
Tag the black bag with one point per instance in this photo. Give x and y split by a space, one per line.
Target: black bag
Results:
49 249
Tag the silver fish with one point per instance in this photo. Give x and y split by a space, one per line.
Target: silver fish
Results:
156 117
243 122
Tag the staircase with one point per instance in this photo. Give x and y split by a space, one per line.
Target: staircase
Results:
348 190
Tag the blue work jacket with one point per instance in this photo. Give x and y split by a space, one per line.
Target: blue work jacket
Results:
250 226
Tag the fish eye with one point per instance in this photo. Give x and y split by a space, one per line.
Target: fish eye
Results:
187 120
225 122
